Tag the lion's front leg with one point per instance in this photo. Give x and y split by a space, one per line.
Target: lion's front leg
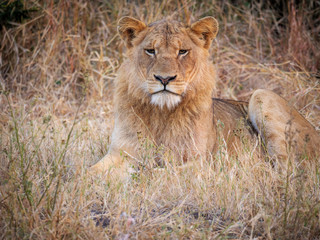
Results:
113 164
116 162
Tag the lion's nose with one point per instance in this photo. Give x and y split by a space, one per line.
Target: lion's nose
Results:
165 80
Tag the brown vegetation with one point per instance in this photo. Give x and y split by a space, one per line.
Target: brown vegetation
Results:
56 116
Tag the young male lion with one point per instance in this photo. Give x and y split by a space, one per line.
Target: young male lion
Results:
164 92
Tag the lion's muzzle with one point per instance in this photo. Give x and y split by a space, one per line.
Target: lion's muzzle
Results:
165 80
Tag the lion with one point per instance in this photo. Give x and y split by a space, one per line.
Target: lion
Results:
164 90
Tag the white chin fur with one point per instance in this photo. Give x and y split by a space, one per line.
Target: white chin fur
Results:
165 99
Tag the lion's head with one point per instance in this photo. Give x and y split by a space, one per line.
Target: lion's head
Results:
168 56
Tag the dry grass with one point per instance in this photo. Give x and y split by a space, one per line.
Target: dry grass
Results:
56 77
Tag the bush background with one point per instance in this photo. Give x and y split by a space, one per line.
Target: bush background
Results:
58 61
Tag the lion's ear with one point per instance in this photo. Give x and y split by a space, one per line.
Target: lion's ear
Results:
206 29
128 29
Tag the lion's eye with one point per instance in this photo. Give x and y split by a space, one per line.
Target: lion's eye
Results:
150 52
183 52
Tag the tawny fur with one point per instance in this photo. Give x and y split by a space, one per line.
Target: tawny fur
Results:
185 118
284 131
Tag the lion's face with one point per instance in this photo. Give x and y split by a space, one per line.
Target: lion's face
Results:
166 55
167 63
